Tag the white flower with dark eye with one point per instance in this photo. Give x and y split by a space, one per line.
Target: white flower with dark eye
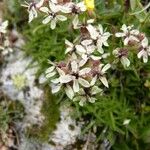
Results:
129 34
122 54
87 48
63 80
32 8
52 15
88 95
144 50
3 27
99 73
102 39
77 76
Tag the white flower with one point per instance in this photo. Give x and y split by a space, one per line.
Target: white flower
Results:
52 15
77 76
122 55
85 50
86 95
32 8
102 39
3 27
128 34
99 73
144 50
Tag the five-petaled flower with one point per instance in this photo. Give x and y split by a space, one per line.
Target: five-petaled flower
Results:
122 55
32 8
144 50
52 14
129 34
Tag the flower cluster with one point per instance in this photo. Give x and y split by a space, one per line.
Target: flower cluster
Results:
132 38
83 72
4 41
54 10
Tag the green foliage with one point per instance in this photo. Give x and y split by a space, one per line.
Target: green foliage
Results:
10 112
15 13
50 111
44 43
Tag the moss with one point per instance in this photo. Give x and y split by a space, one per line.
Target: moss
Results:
50 110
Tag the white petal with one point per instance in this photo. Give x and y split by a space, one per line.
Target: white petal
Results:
50 69
69 49
105 68
44 9
80 49
53 24
74 66
65 78
135 32
93 81
69 91
126 40
125 61
84 71
84 83
120 34
40 3
65 9
75 22
141 53
92 31
116 52
51 74
68 43
86 42
83 62
54 8
81 5
124 28
144 42
55 81
75 86
100 28
55 88
95 57
104 81
46 20
92 99
60 71
145 58
31 16
100 50
133 38
96 90
82 101
90 21
61 18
